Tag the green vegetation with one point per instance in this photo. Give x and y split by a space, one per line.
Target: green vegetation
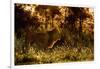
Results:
58 54
53 34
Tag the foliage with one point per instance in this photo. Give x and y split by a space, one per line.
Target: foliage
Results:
38 25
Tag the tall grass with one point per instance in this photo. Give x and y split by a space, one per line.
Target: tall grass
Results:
60 53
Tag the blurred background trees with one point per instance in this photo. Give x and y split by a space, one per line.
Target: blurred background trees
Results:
73 27
74 24
42 18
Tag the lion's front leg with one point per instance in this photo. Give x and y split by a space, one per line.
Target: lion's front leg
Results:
51 44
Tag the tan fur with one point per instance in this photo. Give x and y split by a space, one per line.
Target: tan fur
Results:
43 40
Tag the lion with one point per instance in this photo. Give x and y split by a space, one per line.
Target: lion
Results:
44 40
